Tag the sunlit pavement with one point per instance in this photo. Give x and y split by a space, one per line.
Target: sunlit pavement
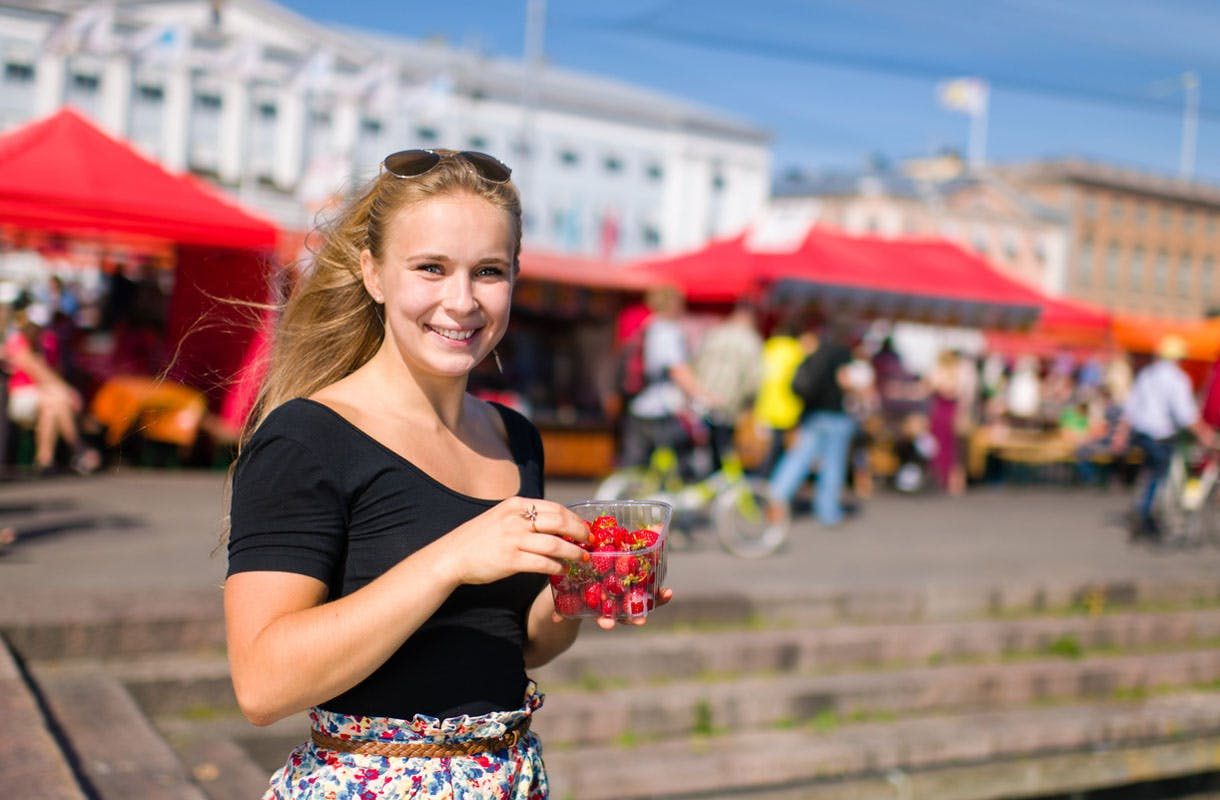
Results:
135 536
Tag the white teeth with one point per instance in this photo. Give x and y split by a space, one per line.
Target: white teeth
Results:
459 336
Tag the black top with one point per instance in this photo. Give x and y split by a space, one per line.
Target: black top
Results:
315 495
826 394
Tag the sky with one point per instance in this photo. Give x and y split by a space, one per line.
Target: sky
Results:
840 83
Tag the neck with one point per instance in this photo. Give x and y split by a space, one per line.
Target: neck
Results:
406 390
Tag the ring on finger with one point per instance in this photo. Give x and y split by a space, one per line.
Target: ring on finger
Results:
531 514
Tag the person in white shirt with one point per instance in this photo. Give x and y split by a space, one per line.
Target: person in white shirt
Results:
1160 405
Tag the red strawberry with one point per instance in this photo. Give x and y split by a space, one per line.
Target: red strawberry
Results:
624 539
609 607
557 579
592 595
602 538
612 584
624 565
603 563
568 605
645 538
635 602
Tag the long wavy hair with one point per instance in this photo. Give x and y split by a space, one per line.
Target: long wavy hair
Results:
329 326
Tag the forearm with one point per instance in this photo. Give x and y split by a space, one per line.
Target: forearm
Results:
546 638
305 656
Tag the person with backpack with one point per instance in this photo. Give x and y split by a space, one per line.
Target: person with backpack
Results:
654 415
826 428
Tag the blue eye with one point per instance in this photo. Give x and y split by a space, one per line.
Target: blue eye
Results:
431 267
490 272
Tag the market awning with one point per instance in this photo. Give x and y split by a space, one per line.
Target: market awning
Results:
64 174
576 270
723 271
928 280
1139 334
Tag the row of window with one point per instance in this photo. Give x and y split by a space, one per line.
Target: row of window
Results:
1133 211
1134 261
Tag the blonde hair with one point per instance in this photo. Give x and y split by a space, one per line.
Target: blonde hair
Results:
330 326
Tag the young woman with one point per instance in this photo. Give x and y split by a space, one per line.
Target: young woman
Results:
389 546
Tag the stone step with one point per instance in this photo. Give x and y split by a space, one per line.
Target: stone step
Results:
649 713
1120 743
30 757
634 655
174 684
120 753
118 624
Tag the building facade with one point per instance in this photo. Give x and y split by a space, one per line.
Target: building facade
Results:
285 114
1138 243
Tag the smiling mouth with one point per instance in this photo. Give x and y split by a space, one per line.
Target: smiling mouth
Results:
452 335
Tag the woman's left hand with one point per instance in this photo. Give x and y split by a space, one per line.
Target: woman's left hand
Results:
664 595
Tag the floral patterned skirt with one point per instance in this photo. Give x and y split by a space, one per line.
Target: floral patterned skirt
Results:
317 773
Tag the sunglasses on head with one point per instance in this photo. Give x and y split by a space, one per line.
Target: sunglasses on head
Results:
413 163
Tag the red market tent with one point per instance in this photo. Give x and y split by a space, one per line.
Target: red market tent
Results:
721 272
65 175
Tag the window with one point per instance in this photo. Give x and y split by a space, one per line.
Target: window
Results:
569 158
1206 280
1136 280
1166 218
612 164
477 142
1183 277
521 149
148 93
267 112
655 172
426 133
319 118
1084 262
18 73
1141 214
1160 275
1090 206
1117 212
207 102
85 83
1188 222
718 181
650 236
370 127
1113 263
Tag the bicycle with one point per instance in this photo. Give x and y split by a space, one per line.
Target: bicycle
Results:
1187 504
735 504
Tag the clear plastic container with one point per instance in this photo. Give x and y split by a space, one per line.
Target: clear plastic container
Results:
626 569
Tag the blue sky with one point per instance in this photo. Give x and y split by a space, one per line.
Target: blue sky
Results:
836 82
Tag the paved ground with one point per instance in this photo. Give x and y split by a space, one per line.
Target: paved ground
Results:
134 535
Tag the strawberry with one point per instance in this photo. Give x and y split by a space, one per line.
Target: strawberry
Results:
624 565
645 538
624 539
609 607
602 563
592 595
612 585
568 605
557 579
635 602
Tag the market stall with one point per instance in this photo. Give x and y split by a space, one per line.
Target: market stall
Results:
64 176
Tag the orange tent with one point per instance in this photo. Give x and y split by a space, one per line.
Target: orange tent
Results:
1139 334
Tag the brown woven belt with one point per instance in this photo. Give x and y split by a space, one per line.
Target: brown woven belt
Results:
414 750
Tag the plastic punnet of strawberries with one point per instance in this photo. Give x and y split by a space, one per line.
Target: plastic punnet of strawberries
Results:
626 566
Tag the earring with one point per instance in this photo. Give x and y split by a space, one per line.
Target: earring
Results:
496 354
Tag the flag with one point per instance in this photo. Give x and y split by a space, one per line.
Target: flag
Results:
160 45
968 95
89 30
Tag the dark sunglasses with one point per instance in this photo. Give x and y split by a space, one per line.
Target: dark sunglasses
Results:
413 163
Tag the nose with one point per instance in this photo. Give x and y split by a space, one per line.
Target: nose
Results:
459 294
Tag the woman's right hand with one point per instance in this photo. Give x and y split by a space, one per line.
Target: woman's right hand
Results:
504 541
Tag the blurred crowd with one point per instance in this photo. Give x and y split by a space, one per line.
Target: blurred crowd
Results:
830 403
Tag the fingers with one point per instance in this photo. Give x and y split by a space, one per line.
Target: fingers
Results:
544 516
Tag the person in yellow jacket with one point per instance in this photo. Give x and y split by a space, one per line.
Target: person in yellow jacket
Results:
776 408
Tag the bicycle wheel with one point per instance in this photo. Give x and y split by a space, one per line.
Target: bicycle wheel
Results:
740 516
630 483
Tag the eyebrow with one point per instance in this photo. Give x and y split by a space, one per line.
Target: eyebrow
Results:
447 259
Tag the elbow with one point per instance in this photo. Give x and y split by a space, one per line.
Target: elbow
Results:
256 706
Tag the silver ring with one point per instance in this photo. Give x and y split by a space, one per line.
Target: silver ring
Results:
532 515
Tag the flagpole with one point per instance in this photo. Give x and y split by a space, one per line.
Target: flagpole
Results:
1190 124
977 149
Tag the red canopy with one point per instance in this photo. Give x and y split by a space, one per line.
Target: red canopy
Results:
721 272
62 173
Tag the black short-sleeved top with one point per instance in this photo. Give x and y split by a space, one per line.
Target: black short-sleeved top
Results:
315 495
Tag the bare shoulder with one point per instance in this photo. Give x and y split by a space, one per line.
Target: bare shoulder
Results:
489 414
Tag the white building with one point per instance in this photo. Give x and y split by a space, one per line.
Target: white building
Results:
284 112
